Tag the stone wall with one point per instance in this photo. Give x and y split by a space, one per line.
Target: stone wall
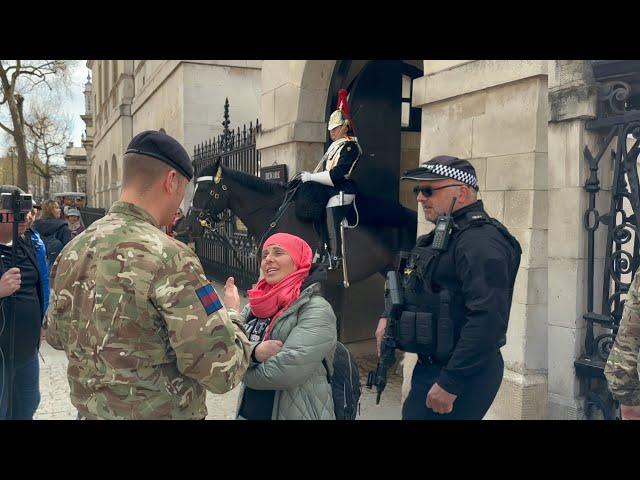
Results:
572 100
293 104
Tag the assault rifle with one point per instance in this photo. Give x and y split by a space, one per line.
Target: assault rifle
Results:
394 304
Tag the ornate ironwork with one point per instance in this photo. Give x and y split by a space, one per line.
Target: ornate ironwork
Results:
619 122
229 250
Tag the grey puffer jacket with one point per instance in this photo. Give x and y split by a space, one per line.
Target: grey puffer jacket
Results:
308 331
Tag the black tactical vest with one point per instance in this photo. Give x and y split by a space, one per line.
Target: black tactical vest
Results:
430 322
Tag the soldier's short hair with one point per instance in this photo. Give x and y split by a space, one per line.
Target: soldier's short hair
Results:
142 171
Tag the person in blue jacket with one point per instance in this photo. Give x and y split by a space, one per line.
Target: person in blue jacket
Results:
41 256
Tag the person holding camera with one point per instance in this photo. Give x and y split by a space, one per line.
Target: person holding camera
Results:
24 281
457 288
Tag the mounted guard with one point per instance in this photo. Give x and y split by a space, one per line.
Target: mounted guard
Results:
337 166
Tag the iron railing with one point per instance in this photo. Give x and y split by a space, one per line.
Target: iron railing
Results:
238 151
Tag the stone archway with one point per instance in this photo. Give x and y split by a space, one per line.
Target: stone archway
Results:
294 95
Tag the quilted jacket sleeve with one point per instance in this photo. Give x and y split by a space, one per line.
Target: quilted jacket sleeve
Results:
310 341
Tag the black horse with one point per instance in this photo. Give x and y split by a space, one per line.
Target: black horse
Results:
256 202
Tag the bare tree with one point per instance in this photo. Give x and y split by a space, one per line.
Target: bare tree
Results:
17 79
48 135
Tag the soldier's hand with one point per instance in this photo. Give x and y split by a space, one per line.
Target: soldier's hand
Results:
382 325
10 282
439 400
231 296
304 176
630 412
267 349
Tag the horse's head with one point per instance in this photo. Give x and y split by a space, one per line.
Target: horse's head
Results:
210 199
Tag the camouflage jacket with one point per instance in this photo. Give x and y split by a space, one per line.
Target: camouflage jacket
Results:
622 369
143 329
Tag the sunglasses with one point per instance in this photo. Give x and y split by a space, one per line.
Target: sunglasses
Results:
428 191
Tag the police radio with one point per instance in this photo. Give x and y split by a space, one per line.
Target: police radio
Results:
442 232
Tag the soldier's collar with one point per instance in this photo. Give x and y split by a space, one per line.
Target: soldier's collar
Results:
126 208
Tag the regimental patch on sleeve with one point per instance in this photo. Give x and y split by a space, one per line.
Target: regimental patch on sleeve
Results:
209 299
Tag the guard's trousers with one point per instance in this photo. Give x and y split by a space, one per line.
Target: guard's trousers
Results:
472 404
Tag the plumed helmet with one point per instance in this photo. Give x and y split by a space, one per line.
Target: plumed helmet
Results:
340 116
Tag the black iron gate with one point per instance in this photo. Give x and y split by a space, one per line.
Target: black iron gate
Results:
237 259
619 122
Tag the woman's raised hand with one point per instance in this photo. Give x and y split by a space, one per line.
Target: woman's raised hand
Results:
231 296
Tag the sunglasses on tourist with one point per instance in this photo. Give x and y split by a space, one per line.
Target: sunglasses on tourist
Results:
428 191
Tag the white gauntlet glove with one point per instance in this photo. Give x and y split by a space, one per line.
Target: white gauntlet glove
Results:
321 177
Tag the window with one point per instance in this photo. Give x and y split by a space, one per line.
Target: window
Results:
410 117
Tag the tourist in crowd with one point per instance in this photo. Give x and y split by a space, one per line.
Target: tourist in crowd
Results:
54 231
292 329
74 222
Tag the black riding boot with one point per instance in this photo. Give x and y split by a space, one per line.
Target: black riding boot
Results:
334 217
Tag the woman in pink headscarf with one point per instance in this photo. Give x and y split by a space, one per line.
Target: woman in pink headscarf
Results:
292 329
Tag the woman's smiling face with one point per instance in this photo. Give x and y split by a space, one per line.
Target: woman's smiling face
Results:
276 264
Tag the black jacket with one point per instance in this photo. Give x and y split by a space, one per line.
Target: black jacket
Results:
53 227
479 268
28 300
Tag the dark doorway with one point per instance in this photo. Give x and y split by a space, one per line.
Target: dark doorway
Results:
388 130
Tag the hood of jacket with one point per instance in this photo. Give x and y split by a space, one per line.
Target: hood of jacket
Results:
48 226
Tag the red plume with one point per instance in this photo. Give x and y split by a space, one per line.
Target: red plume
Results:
342 102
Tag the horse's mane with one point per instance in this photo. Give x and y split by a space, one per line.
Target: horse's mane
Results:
252 182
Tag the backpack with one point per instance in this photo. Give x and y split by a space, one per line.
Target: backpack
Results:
53 246
345 383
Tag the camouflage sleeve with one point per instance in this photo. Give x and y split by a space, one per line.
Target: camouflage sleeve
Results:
621 370
209 346
53 324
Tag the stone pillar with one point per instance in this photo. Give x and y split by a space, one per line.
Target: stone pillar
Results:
293 105
572 101
73 180
494 113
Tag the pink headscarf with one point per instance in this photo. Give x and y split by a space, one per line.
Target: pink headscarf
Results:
269 301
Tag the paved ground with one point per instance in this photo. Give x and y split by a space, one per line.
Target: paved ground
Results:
55 403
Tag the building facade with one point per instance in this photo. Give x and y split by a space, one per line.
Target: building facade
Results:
183 97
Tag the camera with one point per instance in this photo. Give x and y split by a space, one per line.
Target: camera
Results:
18 204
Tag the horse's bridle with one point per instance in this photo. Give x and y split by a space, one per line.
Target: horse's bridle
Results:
205 217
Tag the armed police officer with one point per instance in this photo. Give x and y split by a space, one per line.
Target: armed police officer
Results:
338 164
143 329
457 288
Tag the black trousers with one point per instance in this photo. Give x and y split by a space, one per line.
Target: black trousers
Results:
472 404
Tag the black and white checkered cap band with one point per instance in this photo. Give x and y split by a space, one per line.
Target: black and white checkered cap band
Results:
451 172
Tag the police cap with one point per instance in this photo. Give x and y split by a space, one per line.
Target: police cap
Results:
444 166
163 147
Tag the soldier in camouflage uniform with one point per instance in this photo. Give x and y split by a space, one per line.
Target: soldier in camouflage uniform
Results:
623 365
143 329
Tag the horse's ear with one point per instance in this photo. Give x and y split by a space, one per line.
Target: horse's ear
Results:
218 175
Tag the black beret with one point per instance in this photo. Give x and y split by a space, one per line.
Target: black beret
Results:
444 166
163 147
